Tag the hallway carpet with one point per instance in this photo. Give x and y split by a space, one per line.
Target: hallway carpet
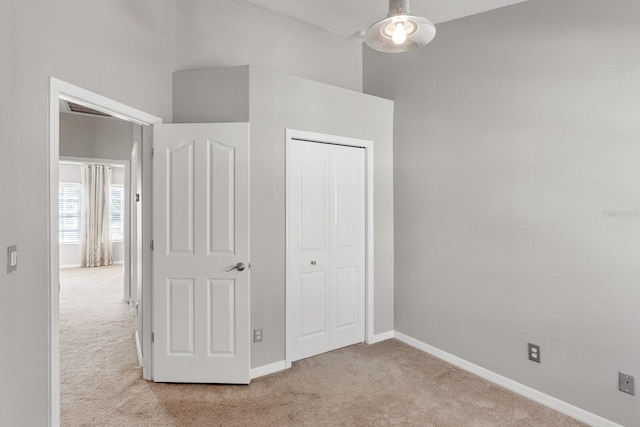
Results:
388 383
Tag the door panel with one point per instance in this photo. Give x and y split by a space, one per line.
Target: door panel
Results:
313 203
222 323
346 281
348 245
222 215
308 217
179 193
347 214
201 230
326 240
180 316
313 296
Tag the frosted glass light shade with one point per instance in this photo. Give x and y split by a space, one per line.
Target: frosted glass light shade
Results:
420 30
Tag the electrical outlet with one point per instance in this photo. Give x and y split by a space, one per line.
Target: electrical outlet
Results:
626 383
534 353
257 335
12 258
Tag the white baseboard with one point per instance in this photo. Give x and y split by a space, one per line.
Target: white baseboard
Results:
70 266
381 337
535 395
79 265
272 368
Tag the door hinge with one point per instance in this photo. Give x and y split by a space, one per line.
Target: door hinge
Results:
137 197
153 337
152 245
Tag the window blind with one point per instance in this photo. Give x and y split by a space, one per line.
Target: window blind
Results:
117 213
69 202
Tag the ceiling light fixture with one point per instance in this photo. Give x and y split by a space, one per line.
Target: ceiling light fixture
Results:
400 31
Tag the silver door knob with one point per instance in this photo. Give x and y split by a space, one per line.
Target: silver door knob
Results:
239 266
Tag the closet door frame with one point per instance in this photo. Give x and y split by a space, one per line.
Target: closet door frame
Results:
293 137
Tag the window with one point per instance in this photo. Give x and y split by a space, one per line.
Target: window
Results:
116 223
69 201
69 205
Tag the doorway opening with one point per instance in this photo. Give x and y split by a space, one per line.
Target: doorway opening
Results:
60 90
117 197
338 272
95 242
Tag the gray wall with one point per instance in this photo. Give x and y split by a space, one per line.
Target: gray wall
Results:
96 137
276 102
225 33
517 177
225 91
126 51
10 312
120 49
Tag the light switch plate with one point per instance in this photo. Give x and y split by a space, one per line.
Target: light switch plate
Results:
12 258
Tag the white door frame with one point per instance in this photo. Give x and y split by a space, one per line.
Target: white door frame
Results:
292 136
135 233
62 90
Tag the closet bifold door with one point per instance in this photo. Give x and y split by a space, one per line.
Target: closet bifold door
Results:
326 213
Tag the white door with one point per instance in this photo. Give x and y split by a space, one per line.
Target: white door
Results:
201 231
326 240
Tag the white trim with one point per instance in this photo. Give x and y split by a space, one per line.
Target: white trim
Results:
383 336
370 315
73 93
290 135
147 256
70 266
139 349
80 266
57 90
535 395
72 160
272 368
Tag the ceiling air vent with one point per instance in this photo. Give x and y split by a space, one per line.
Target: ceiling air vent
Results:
81 109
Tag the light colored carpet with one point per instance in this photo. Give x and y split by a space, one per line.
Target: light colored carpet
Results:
388 383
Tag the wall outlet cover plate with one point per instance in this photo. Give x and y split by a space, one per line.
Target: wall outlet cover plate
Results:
534 353
626 383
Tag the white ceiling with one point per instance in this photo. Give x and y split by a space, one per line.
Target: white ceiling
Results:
351 17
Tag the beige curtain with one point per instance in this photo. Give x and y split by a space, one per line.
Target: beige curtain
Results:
96 244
